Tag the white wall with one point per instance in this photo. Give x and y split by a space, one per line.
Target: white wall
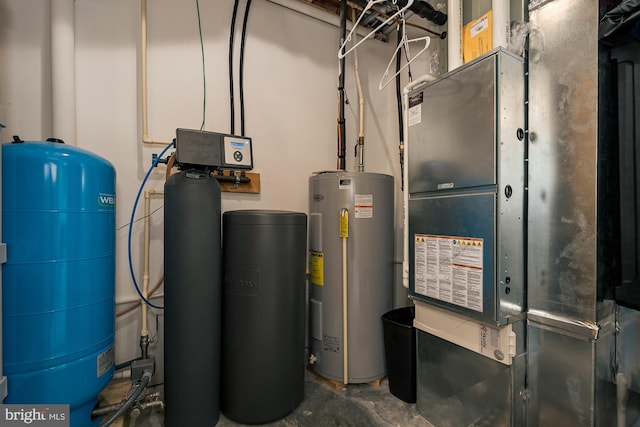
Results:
291 76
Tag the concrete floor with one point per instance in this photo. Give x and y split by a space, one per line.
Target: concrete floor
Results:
323 405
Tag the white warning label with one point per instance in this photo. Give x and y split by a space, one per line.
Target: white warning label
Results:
449 269
104 362
363 204
414 117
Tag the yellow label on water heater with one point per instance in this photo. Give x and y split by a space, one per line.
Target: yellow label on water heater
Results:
317 268
344 223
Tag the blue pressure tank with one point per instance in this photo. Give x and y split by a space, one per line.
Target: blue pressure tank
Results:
58 222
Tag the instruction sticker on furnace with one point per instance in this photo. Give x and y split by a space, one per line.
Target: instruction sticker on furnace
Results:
449 269
414 114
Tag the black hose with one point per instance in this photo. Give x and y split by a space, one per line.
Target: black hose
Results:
144 381
231 36
399 90
204 74
400 122
242 40
341 121
406 54
426 11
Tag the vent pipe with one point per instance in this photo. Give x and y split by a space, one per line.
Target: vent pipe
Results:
341 121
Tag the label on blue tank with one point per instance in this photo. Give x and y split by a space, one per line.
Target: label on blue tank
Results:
34 415
107 201
104 362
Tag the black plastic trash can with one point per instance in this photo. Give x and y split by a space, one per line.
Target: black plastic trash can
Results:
400 352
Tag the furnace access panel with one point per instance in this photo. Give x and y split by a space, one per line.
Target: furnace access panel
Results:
466 156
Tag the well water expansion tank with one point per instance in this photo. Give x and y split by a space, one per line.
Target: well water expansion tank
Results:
58 221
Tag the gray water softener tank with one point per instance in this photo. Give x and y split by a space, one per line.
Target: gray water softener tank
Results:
263 314
193 282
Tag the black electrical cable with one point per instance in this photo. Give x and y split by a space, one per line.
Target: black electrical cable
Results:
204 75
242 42
400 122
406 54
231 36
398 90
341 120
